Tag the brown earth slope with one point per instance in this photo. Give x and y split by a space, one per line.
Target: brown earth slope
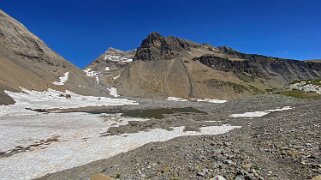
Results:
26 61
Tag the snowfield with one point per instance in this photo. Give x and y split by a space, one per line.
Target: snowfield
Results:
259 113
93 74
176 99
62 80
80 142
75 138
215 101
51 99
113 92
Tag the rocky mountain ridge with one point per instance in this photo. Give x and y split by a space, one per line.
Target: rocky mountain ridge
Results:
171 66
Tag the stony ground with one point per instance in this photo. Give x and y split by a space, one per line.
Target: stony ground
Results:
280 145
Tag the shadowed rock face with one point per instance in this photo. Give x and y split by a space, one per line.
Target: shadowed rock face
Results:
264 67
156 47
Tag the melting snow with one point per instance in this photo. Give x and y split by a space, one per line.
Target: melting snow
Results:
176 99
259 113
113 92
50 99
62 80
116 77
117 58
79 134
216 101
93 74
80 142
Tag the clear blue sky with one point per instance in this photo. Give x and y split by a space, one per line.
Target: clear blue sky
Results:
81 30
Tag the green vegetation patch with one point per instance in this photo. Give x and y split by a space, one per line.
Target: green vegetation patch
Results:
238 88
301 94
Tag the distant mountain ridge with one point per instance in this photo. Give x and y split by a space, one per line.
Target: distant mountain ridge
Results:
171 66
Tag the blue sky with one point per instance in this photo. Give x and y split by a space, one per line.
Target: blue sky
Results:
81 30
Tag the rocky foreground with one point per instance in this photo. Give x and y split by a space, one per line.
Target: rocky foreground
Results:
279 145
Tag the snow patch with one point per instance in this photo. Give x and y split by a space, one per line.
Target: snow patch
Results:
93 74
259 113
176 99
303 86
113 92
215 101
62 80
51 99
117 58
116 77
80 142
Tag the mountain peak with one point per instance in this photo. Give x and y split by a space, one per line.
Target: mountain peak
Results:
154 35
227 50
157 47
113 50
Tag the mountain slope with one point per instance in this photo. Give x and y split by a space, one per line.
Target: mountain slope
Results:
164 66
26 61
170 66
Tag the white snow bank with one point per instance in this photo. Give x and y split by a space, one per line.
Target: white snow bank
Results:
26 130
176 99
73 150
113 92
93 74
250 114
215 101
50 99
62 80
259 113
